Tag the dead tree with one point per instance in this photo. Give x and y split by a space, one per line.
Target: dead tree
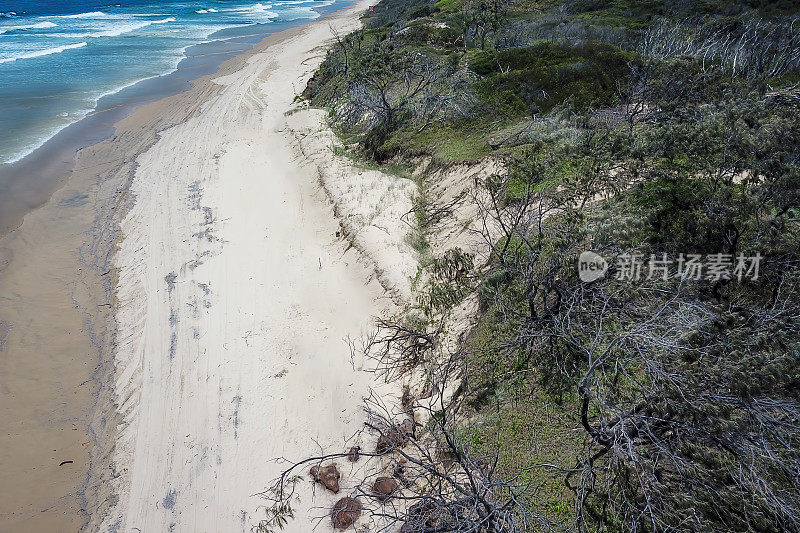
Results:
438 483
760 49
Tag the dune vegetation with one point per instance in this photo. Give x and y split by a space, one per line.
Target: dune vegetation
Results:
664 136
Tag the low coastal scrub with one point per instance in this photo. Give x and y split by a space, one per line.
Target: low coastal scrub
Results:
444 78
662 138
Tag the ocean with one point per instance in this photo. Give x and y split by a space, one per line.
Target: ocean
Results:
59 58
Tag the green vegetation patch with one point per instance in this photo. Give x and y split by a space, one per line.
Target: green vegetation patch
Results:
536 78
446 143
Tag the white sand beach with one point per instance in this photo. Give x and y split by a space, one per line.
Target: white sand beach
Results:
236 296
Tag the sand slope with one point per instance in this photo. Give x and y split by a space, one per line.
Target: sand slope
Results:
235 301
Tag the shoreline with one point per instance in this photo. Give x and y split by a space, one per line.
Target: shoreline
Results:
96 194
28 183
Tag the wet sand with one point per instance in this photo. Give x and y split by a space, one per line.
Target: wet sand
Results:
46 364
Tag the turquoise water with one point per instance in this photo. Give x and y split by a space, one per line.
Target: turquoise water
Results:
58 58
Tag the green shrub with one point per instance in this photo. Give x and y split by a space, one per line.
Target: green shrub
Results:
546 74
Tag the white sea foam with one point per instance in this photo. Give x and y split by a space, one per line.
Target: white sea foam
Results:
40 53
89 15
36 26
255 8
257 12
301 9
294 2
128 27
299 12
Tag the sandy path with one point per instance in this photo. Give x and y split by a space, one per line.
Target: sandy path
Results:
235 299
